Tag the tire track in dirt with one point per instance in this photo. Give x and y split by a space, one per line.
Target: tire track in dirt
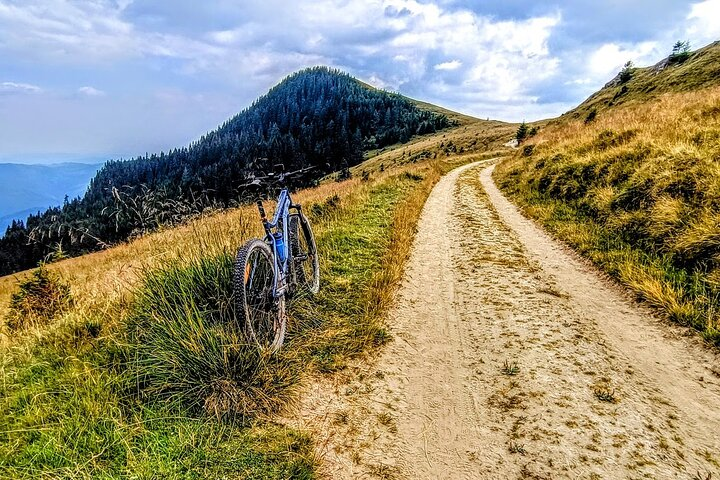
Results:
513 359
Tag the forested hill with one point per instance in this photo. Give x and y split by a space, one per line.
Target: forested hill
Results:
318 117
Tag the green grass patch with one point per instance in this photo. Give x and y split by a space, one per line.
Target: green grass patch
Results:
166 386
687 295
340 323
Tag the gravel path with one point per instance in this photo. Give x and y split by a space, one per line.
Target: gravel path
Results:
514 359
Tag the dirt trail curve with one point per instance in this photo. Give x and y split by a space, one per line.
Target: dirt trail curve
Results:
513 359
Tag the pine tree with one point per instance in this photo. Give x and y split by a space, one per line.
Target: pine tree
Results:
680 52
522 132
626 72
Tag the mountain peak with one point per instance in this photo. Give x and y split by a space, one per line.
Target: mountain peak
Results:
318 120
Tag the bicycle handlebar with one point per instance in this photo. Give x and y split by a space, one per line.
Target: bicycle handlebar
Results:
272 179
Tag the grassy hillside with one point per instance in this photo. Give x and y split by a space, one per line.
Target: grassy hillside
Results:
317 120
486 137
701 69
145 374
637 189
460 118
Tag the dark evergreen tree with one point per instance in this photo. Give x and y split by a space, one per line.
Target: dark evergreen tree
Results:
522 132
680 52
626 72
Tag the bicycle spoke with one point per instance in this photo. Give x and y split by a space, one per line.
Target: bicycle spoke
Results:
259 294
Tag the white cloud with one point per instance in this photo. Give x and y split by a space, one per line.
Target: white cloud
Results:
90 91
13 87
78 32
437 52
451 65
397 43
610 57
704 22
579 81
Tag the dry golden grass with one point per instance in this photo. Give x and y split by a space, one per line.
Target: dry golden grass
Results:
142 342
481 137
100 280
638 191
103 278
133 378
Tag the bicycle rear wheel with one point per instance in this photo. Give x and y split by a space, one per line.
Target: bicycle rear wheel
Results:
253 281
305 262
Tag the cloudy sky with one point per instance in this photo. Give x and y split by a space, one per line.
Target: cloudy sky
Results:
98 79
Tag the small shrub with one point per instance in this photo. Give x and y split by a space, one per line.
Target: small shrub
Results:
591 116
623 90
700 241
345 174
510 368
414 177
680 52
626 72
514 447
39 300
608 139
326 207
527 150
604 394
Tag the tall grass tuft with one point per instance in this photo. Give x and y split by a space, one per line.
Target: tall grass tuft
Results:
38 300
638 192
189 349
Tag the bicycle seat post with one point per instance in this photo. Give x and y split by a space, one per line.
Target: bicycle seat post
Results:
261 209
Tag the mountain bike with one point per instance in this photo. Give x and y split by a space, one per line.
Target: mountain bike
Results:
283 264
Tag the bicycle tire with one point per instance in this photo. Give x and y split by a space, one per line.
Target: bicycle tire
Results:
264 320
305 261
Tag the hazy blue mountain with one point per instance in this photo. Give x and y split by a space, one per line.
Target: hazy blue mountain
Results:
26 189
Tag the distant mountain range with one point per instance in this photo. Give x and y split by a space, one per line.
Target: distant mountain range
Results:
315 122
26 189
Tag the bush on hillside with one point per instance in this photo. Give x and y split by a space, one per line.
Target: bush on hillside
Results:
591 116
626 72
38 300
680 52
189 349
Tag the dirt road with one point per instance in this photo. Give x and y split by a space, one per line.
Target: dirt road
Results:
513 359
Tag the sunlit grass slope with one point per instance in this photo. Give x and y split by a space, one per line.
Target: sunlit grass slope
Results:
147 374
700 70
637 190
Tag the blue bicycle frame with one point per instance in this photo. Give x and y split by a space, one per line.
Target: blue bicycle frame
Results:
277 238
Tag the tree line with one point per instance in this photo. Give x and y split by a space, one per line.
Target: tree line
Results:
317 119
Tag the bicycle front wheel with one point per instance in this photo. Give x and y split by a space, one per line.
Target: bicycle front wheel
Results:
254 281
305 261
